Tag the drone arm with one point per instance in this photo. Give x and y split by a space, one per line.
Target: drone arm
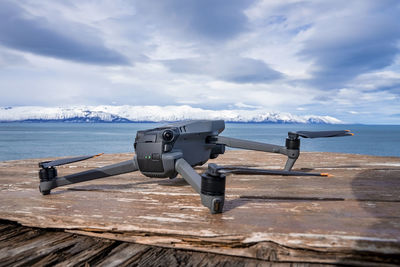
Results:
210 188
291 152
290 161
189 174
106 171
245 144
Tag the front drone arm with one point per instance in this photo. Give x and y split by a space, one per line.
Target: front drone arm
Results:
49 179
211 188
189 174
291 150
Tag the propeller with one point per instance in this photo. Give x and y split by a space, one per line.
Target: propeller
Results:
318 134
58 162
213 169
272 172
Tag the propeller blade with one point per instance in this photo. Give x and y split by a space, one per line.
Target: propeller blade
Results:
318 134
268 172
59 162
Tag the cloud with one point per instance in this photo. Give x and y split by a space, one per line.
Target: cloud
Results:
231 69
335 58
353 40
10 59
210 19
386 80
245 106
21 31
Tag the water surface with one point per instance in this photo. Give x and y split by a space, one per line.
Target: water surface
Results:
40 140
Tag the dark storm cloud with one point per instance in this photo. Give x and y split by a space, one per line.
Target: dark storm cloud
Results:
22 32
231 69
344 47
212 19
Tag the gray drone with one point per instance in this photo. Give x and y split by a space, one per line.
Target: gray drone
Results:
178 147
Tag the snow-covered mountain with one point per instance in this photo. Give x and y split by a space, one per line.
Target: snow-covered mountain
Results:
151 113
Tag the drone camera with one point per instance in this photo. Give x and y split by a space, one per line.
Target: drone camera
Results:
168 135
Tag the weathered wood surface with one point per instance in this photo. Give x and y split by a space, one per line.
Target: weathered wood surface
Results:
351 218
25 246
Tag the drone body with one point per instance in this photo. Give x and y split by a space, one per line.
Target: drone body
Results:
157 149
175 149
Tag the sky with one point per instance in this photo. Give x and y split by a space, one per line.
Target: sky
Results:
339 58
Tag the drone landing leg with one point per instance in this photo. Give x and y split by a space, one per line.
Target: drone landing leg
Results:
211 188
119 168
289 164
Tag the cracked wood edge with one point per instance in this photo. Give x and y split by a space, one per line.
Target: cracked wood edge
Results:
270 247
292 247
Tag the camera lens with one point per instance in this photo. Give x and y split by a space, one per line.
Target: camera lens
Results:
168 135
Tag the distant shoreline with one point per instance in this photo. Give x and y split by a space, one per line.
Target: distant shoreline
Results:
128 122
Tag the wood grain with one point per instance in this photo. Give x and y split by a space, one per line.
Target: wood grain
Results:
26 246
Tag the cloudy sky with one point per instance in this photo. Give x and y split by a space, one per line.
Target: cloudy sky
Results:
339 58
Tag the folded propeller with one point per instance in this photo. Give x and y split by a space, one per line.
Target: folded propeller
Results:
319 134
214 169
59 162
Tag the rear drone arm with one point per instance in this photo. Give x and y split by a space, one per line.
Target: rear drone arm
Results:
49 179
291 150
211 184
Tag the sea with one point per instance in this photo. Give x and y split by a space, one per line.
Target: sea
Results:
22 140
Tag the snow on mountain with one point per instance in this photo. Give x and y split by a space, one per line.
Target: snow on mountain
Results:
151 113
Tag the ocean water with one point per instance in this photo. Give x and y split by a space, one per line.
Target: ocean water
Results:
42 140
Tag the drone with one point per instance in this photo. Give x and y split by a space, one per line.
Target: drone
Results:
176 148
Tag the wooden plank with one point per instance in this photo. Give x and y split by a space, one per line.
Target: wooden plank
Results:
88 251
124 255
300 219
28 251
89 255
